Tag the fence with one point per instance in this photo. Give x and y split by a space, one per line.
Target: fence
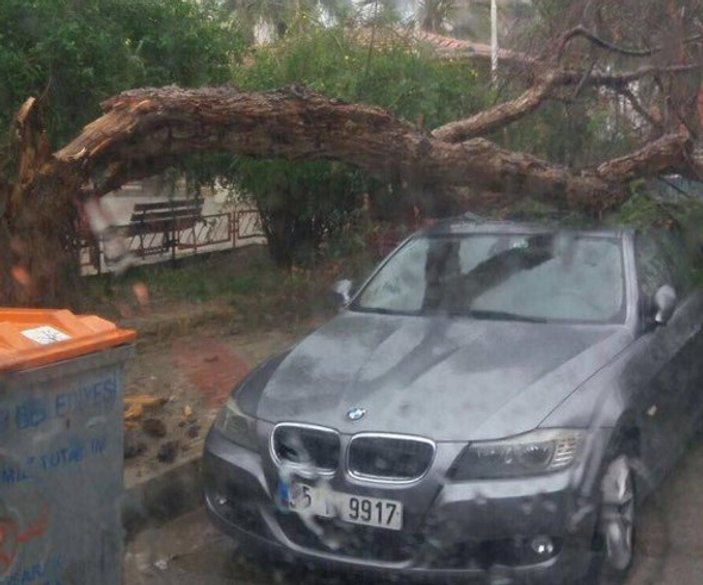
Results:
169 241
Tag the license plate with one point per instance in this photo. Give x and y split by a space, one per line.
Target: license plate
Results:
377 512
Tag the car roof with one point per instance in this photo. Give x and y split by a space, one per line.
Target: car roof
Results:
470 224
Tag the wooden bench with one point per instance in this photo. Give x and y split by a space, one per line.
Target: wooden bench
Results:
166 219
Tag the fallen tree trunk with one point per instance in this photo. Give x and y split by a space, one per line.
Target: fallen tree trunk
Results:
144 130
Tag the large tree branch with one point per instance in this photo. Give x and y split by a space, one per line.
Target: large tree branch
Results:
508 112
141 129
583 32
626 92
666 154
145 126
501 115
618 80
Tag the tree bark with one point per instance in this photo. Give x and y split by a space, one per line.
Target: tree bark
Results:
142 130
500 115
37 218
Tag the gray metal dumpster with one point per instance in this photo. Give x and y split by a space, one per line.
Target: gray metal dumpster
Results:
60 448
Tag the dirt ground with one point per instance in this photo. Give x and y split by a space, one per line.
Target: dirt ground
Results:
193 374
201 325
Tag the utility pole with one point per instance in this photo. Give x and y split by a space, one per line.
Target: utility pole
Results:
494 41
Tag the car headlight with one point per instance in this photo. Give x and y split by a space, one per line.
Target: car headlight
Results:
534 453
236 426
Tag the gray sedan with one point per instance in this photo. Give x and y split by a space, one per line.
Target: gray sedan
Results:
493 402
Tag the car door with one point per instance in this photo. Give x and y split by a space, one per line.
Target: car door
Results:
667 367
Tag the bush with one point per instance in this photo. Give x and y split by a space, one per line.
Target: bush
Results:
76 54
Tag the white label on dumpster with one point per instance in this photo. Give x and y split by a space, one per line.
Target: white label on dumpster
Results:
45 335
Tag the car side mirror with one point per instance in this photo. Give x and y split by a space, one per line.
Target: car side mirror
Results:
342 290
664 304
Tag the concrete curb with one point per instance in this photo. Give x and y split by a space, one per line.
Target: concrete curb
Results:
167 327
162 497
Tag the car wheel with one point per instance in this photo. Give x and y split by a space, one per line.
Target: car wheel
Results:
617 519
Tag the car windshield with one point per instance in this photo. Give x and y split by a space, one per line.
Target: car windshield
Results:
544 277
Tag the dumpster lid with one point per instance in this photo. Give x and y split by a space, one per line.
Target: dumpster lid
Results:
36 337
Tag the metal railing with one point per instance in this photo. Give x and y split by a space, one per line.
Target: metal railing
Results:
204 233
248 224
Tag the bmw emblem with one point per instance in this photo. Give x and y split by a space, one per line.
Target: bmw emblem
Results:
356 413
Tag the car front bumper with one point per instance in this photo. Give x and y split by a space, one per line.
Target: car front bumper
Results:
451 529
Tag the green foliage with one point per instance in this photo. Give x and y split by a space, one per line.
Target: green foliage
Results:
657 209
434 15
244 283
77 53
403 79
575 134
303 202
657 204
300 203
642 210
197 279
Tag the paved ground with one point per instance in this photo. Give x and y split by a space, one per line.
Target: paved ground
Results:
189 551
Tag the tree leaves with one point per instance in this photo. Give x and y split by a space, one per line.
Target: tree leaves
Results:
75 56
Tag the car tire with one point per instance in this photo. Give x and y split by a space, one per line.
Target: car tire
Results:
614 539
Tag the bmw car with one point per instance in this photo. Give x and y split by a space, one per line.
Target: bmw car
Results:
495 401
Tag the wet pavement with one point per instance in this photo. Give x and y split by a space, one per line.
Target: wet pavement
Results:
190 551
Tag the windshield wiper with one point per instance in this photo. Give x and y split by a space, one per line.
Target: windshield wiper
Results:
504 316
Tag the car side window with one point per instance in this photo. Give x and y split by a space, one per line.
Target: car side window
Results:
660 260
679 261
401 284
651 268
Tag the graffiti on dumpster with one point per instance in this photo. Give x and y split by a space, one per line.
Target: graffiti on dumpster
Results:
36 573
28 541
33 412
72 452
12 538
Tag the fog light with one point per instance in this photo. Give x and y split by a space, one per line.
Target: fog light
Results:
543 546
221 500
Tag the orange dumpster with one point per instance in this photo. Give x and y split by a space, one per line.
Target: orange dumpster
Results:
61 447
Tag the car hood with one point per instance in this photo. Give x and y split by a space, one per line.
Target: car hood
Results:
451 379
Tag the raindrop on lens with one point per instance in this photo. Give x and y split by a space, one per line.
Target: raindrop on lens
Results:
542 545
